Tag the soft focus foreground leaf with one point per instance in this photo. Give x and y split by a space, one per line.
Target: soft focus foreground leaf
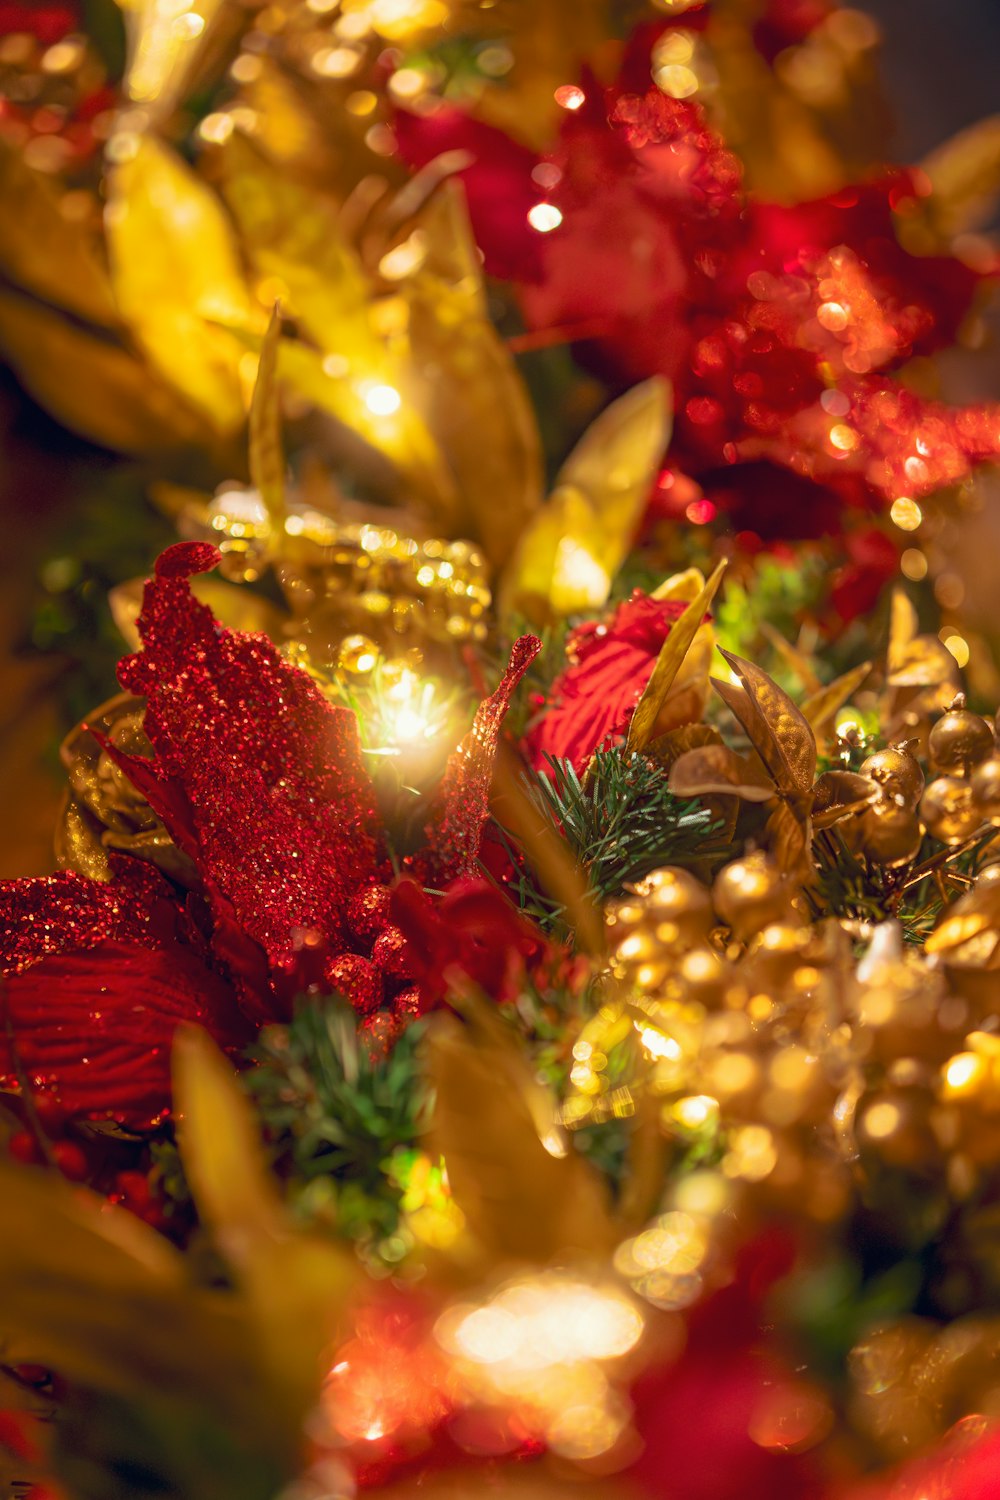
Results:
44 252
167 61
567 559
90 1291
490 1119
295 1284
675 649
514 1481
177 274
92 385
474 399
964 174
779 733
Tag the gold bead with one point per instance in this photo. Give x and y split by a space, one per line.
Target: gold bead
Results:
672 898
896 773
985 785
959 740
889 835
358 655
750 893
948 811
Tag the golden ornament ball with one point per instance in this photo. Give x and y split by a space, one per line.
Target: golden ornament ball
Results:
896 773
959 740
358 655
893 1125
948 811
889 835
750 893
985 783
676 906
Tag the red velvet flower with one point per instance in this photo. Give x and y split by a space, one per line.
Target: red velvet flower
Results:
259 779
592 701
472 932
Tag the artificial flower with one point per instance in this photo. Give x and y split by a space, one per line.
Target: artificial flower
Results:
592 700
260 782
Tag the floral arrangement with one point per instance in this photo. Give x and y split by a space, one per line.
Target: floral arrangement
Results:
516 1011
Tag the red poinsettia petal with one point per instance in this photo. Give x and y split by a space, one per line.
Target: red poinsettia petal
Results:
474 930
54 914
95 1028
463 803
254 772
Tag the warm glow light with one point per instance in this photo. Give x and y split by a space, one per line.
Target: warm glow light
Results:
544 217
906 513
569 96
382 400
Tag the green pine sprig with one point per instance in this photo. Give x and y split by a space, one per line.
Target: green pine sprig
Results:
621 821
338 1118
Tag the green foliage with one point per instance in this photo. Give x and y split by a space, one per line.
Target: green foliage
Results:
623 822
112 535
338 1118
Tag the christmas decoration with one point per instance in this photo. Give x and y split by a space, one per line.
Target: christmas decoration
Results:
517 1010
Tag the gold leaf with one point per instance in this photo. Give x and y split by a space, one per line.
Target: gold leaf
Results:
90 1291
267 459
92 385
44 253
839 793
615 461
295 240
491 1117
973 914
716 768
820 707
567 558
667 747
914 660
166 61
177 276
964 174
77 842
295 1284
781 737
475 402
789 836
668 665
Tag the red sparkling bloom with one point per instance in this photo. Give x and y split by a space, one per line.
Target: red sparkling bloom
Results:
260 781
592 701
778 325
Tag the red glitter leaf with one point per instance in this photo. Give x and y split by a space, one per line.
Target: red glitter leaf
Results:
454 834
95 1028
258 777
53 913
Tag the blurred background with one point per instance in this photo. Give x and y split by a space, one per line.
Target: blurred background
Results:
941 60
